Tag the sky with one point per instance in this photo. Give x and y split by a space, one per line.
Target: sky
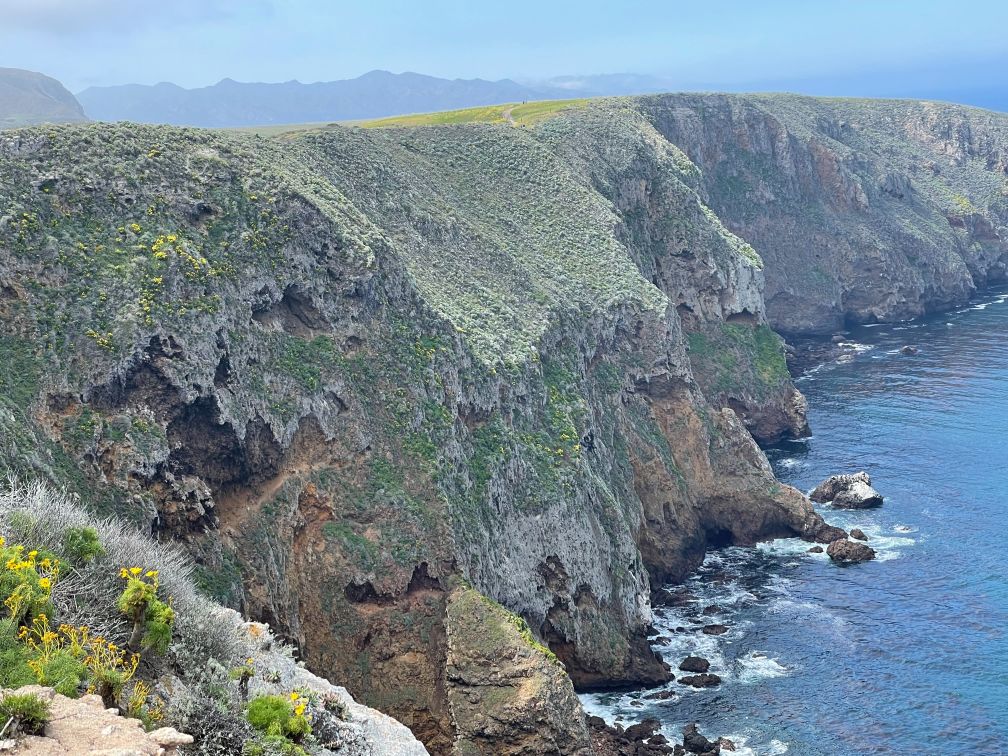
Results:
885 47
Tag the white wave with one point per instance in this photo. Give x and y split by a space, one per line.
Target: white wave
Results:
757 666
790 463
900 528
856 347
981 306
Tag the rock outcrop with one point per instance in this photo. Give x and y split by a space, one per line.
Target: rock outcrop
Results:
847 491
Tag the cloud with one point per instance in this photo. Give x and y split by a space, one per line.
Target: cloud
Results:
66 17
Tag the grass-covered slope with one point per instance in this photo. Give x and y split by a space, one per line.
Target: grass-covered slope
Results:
351 369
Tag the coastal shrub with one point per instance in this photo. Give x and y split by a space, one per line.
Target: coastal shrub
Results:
152 618
81 545
276 715
29 712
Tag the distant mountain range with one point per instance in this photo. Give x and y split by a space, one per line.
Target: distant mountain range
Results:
373 95
28 98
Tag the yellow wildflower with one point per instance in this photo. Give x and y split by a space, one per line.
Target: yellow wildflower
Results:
294 696
135 570
45 583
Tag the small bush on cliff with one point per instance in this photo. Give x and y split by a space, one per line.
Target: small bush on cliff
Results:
29 713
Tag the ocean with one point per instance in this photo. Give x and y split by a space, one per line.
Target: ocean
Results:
906 654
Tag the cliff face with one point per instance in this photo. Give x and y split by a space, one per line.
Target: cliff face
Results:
370 378
862 210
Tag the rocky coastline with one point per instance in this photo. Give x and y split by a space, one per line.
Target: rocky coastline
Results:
447 407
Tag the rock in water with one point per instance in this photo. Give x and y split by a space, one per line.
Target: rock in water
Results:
858 534
849 552
715 629
816 550
706 680
848 491
694 742
911 350
694 664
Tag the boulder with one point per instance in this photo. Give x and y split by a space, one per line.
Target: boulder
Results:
910 350
827 534
726 744
849 552
858 534
816 550
847 491
694 664
706 680
715 629
694 742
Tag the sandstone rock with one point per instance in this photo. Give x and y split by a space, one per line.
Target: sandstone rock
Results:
694 664
827 534
526 706
847 491
849 552
858 534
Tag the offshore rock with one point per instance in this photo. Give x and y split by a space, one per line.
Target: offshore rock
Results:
848 491
849 552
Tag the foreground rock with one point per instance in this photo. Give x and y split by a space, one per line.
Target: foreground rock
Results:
849 552
847 491
83 727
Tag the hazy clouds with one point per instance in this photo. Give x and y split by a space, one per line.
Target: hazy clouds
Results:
78 16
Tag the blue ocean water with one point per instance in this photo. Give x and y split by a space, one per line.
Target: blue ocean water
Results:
907 654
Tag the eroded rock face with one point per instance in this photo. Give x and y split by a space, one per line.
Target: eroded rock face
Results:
862 210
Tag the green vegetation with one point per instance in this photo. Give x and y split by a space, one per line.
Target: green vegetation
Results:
735 359
29 712
521 114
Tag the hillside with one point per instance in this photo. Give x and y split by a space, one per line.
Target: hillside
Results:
28 98
379 382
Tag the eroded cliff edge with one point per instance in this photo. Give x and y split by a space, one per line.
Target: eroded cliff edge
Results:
862 210
365 376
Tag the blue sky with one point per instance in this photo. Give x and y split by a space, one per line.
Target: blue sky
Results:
880 47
